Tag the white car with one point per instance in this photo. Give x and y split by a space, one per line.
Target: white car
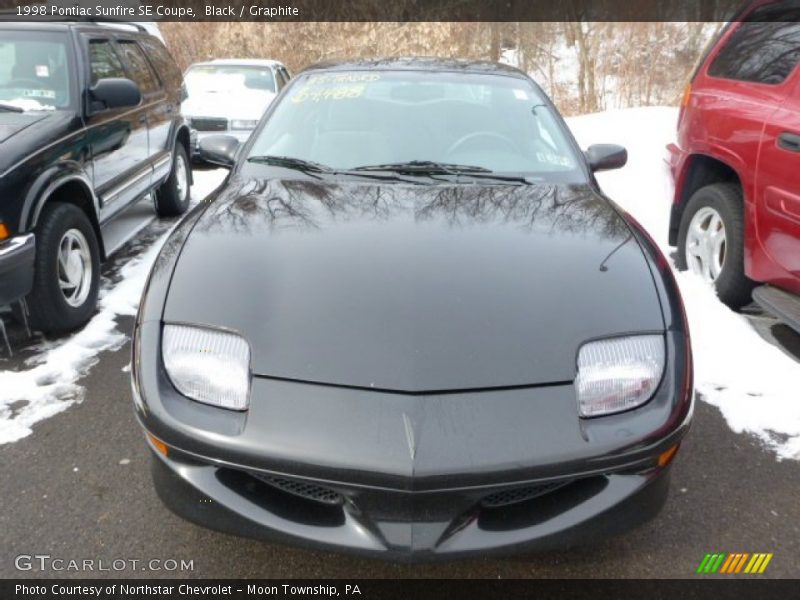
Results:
230 95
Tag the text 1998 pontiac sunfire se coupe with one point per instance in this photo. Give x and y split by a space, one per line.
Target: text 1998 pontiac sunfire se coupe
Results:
409 324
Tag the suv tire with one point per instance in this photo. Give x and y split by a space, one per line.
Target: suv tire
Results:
67 270
719 207
172 198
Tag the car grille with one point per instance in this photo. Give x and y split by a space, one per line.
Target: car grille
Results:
309 491
520 494
209 124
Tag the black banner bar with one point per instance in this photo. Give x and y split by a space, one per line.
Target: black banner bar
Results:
417 589
373 10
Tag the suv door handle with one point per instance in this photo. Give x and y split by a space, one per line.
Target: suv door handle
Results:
789 141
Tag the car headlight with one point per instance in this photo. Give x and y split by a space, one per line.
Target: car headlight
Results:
208 365
243 124
618 374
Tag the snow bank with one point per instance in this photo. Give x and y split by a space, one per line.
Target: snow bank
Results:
753 383
49 385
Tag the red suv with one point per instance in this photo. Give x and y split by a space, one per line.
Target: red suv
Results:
736 212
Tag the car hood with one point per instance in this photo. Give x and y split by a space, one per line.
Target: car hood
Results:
414 288
239 104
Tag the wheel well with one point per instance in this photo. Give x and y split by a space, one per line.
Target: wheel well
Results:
702 171
74 192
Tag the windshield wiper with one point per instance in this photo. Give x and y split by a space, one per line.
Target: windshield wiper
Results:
10 107
428 167
289 162
504 177
314 168
425 167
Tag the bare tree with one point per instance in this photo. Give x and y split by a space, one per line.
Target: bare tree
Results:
584 66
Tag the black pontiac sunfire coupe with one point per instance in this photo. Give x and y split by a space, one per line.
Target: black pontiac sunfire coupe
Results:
409 324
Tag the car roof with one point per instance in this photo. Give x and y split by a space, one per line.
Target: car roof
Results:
418 63
241 62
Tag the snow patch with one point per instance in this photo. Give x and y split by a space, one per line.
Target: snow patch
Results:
49 385
751 381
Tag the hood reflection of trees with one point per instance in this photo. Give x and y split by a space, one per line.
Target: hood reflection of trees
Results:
248 206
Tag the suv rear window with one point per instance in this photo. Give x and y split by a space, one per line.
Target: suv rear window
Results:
140 70
764 49
163 62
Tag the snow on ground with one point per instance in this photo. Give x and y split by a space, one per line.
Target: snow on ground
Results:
48 384
752 382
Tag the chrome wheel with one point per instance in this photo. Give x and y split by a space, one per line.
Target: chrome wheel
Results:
181 177
706 244
74 268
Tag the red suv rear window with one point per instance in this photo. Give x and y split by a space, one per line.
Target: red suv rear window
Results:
765 48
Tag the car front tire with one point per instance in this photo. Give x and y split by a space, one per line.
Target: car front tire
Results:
172 198
711 241
67 270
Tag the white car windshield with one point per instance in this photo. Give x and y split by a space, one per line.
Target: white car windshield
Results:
203 79
34 71
347 120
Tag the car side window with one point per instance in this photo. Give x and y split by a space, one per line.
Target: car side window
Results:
138 67
763 49
286 76
103 61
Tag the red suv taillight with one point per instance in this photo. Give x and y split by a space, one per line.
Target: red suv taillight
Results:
687 94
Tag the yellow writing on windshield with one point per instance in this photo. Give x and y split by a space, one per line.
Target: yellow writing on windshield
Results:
334 86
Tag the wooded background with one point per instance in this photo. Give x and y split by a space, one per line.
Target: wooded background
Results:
584 66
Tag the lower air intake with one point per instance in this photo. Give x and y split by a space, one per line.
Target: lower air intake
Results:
520 494
309 491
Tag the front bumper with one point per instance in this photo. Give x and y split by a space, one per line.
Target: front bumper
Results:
413 475
17 256
407 526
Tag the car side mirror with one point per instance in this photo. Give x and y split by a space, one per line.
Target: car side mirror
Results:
604 157
114 92
219 149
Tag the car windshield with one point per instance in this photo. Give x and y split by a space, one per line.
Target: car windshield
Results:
204 79
449 122
34 71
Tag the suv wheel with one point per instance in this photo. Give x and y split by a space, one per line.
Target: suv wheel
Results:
172 198
711 241
67 270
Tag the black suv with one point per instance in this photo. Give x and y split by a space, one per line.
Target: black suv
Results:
89 124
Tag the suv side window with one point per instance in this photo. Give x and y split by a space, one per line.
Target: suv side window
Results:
165 66
103 61
139 68
764 49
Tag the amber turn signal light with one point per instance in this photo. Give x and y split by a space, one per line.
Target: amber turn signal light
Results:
666 457
687 93
161 447
4 233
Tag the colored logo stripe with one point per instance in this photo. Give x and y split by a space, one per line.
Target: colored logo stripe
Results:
736 562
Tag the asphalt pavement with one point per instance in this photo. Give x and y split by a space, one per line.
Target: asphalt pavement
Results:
79 489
